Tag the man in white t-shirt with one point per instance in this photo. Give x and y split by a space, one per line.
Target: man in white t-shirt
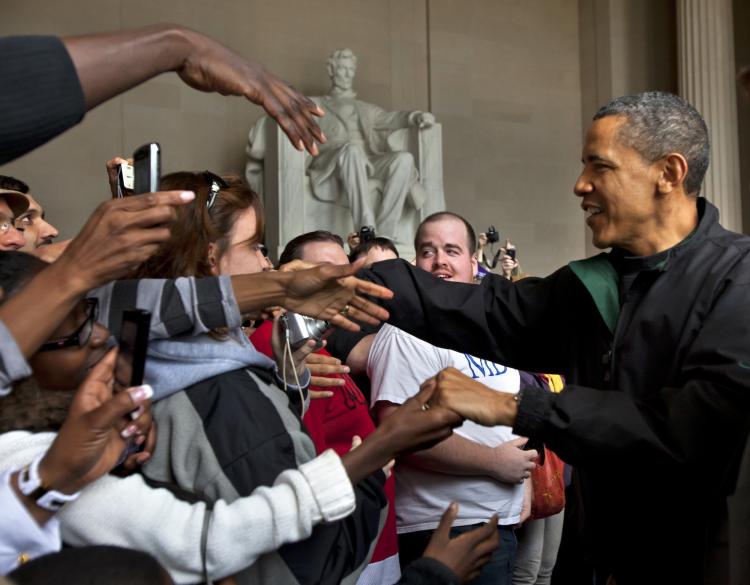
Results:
481 468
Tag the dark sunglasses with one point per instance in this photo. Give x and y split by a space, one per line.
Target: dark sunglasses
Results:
80 336
215 184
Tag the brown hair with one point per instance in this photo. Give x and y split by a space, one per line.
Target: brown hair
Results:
294 249
471 238
376 242
185 253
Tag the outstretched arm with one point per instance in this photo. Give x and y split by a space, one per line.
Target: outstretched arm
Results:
110 63
117 237
457 455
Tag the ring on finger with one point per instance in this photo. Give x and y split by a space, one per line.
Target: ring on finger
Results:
345 310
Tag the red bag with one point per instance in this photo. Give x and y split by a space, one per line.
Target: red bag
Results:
548 487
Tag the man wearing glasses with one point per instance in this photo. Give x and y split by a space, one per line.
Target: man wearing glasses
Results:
37 231
12 205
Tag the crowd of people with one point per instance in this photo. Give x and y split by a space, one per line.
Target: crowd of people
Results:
401 445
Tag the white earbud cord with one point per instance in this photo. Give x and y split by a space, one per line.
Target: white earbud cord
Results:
288 352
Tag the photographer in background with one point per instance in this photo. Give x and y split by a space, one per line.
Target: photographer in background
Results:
364 235
504 261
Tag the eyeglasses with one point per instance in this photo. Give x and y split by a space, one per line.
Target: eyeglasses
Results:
7 223
80 336
215 184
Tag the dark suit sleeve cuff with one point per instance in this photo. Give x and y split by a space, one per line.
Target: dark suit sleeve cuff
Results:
534 409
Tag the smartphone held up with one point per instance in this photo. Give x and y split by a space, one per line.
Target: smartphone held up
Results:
133 345
144 175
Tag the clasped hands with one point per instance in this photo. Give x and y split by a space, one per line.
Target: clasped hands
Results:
470 399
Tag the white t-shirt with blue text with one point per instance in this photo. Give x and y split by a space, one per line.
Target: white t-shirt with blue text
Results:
398 363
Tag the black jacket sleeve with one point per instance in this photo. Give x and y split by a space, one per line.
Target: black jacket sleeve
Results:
41 94
518 324
702 407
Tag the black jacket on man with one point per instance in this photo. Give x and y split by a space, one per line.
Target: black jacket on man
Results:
656 353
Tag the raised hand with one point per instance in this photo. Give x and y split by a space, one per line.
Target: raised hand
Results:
210 66
120 235
332 293
108 64
466 554
112 178
96 431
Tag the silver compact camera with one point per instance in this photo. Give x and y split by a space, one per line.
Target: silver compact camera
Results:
300 329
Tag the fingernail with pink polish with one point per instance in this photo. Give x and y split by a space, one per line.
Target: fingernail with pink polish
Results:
140 394
187 195
128 431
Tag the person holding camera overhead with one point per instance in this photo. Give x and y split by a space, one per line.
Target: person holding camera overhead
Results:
504 261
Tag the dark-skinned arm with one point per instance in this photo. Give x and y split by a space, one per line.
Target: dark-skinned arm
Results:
109 64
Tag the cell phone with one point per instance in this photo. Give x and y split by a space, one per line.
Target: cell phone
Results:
125 177
511 252
147 168
133 344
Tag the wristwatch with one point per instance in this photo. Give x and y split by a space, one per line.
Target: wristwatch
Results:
31 486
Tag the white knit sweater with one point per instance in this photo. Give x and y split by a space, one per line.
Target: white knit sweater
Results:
127 512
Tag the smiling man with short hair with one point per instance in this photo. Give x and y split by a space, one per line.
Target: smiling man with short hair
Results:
482 469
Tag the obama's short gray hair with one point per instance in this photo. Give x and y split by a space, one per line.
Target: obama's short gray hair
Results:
658 123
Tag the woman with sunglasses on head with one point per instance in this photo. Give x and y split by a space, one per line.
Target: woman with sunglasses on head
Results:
222 234
227 424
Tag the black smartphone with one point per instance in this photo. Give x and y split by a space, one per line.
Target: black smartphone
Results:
147 168
511 253
133 344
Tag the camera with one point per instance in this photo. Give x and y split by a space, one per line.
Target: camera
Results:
300 329
366 233
492 235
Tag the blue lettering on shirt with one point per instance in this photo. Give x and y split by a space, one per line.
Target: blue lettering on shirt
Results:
481 365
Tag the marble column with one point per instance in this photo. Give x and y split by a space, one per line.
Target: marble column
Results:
707 80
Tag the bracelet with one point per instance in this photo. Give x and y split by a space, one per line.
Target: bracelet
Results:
31 486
